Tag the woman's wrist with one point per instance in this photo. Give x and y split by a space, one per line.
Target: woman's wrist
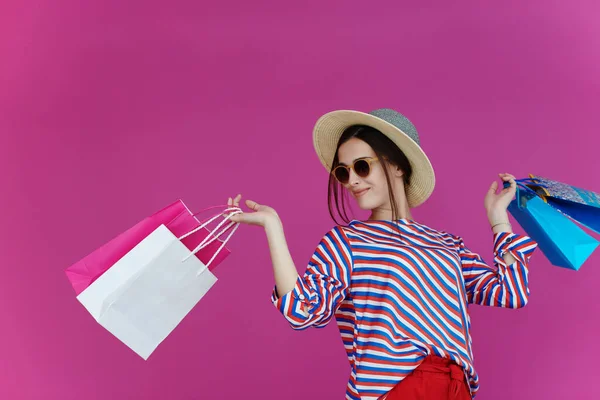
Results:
499 221
501 227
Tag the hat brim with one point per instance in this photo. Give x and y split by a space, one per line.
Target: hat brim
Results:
329 128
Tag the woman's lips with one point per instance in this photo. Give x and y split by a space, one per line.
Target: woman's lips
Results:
360 193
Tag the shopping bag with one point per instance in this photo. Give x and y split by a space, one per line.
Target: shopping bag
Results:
559 238
580 204
147 293
176 217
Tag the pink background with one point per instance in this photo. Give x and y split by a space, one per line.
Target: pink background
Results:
110 110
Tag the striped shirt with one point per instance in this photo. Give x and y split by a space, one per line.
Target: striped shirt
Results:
400 297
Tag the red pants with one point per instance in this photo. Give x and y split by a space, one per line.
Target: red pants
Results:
436 378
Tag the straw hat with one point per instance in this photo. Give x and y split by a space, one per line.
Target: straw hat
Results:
397 127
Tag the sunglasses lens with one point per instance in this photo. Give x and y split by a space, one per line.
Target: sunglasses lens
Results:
342 175
362 169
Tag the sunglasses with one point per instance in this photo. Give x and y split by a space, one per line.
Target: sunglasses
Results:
361 167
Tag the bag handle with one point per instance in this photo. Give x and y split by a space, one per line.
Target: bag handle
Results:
213 207
224 230
205 243
208 220
236 209
212 236
522 184
237 225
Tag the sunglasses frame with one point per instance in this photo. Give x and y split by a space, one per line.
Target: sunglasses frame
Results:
369 161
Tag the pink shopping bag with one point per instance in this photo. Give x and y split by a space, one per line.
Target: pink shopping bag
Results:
176 217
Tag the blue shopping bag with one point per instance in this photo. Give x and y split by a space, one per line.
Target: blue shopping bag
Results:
579 204
559 238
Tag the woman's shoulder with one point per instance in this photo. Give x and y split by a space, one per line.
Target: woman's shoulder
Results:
336 233
407 225
381 228
442 236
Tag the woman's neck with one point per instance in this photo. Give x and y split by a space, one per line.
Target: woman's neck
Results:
385 213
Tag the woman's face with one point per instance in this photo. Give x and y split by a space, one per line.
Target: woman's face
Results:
371 191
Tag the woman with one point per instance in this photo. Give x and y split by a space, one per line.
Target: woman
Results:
397 288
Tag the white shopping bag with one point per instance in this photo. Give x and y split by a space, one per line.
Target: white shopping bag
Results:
144 296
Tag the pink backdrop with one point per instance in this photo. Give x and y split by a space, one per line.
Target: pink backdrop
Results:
110 110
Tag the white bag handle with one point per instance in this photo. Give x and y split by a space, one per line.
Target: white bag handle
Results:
237 225
205 242
211 220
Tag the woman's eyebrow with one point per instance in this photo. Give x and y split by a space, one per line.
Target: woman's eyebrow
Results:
341 163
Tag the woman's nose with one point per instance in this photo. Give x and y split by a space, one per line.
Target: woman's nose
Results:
353 178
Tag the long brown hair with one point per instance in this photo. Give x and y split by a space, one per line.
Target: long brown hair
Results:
385 149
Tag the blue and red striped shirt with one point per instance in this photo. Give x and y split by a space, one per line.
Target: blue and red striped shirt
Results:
400 297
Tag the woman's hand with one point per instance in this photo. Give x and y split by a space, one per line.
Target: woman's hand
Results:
496 204
261 215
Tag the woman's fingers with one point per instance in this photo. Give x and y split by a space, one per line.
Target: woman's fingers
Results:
254 206
234 202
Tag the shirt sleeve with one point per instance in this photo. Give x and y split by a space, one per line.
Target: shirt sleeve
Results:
323 286
503 286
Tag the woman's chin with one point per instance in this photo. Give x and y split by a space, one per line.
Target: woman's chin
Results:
364 205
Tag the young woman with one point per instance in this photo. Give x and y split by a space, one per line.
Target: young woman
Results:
398 289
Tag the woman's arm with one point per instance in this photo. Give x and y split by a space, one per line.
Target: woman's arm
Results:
506 285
